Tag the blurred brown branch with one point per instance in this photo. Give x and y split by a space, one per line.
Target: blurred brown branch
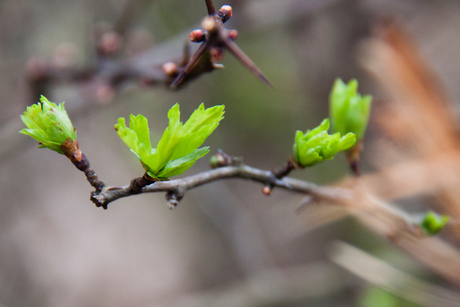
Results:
391 279
417 118
270 286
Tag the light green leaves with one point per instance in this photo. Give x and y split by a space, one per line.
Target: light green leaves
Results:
433 223
349 111
177 149
49 124
317 145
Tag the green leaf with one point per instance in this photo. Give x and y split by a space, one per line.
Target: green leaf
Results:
317 145
433 223
177 149
349 111
178 166
49 124
198 127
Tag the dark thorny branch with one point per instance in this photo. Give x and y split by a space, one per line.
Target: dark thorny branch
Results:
214 38
110 71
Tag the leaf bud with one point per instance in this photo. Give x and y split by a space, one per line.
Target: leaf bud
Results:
197 36
433 223
216 54
49 124
317 145
233 34
225 12
170 69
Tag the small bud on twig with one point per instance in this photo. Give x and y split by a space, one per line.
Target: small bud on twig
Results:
225 12
170 69
220 159
267 190
197 36
233 34
109 43
216 54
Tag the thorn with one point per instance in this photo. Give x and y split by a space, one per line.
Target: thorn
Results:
245 60
307 200
195 57
211 9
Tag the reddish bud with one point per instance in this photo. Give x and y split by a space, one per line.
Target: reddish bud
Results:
266 190
37 68
225 12
216 54
197 36
110 43
232 34
170 69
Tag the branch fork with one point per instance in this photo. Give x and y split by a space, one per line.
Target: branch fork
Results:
214 38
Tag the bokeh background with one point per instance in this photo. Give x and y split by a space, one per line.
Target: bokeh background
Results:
226 244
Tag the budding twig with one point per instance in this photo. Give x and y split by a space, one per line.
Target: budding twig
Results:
279 173
214 38
74 154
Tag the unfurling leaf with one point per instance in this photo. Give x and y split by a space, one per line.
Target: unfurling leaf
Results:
349 111
177 149
317 145
49 124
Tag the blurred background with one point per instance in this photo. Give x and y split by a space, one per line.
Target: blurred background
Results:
227 244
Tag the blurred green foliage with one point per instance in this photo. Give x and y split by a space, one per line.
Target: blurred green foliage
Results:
433 223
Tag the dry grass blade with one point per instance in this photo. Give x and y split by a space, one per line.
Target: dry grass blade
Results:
420 120
399 283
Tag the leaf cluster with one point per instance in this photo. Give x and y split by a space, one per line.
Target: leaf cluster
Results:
177 149
49 124
317 145
349 111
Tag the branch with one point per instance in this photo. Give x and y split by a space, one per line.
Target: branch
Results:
380 217
177 188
